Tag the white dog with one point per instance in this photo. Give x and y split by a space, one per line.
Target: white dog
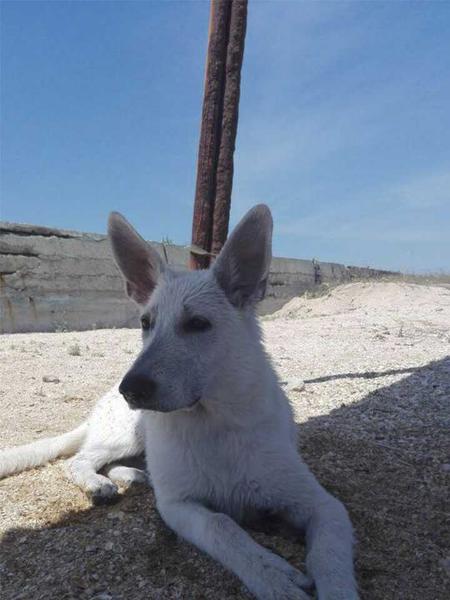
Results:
204 401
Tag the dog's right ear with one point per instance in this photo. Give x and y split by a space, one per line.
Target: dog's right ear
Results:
139 263
242 267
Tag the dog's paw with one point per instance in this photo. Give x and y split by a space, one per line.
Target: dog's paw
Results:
127 475
106 493
278 580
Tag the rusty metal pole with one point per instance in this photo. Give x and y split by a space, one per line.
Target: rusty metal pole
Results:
218 128
209 144
225 168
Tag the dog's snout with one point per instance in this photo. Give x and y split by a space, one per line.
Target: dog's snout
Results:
137 389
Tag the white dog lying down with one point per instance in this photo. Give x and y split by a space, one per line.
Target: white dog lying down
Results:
203 400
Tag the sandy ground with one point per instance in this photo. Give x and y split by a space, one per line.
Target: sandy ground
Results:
374 420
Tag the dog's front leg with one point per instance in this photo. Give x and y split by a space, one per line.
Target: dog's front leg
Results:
329 541
266 575
82 470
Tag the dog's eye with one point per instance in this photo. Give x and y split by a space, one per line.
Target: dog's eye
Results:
145 323
195 324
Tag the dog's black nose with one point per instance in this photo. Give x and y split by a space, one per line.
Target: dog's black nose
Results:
137 389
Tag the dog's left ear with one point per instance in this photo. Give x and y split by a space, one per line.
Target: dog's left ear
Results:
242 267
140 264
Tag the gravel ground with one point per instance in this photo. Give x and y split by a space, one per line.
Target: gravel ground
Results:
373 415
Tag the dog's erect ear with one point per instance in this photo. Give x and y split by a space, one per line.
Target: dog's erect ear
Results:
140 264
242 267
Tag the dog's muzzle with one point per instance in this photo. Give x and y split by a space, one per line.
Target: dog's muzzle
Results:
138 390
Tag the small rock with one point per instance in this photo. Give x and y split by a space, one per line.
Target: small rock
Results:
102 596
446 468
120 515
379 336
50 379
327 456
109 546
445 564
295 385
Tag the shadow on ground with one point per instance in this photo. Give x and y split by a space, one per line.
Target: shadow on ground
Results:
363 375
384 457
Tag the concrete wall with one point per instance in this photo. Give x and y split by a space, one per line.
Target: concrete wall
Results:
52 279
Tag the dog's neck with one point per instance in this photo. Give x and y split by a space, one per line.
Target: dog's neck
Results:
246 383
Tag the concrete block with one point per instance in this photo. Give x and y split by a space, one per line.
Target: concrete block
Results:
52 279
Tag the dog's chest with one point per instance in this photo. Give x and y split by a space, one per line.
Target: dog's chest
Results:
219 468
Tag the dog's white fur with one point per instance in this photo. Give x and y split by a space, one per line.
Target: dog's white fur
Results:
219 437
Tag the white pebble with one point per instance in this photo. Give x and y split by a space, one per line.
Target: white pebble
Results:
50 379
295 385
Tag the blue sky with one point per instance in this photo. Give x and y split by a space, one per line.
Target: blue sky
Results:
344 125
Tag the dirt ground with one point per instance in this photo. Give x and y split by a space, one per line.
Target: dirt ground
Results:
374 425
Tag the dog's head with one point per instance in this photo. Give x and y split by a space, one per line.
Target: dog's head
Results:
192 322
